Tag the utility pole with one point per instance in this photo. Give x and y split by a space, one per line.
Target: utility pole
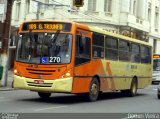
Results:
5 40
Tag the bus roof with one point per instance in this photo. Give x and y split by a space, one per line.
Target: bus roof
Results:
118 36
97 30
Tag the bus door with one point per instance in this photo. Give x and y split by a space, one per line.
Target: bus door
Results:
82 71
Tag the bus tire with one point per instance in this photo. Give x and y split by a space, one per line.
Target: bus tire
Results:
158 96
44 95
133 88
93 90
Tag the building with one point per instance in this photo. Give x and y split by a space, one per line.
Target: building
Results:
134 18
3 5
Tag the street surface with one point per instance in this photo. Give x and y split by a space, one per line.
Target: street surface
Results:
21 101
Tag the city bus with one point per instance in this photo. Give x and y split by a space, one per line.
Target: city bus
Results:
156 69
69 57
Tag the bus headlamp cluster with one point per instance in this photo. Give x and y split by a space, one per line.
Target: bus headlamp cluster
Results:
67 74
16 72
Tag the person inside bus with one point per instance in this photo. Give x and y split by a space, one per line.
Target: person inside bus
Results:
64 50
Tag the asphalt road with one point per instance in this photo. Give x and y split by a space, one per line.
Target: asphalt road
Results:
21 101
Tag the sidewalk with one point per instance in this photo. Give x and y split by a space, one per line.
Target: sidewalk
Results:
9 82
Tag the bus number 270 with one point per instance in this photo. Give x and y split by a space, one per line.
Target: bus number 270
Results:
54 59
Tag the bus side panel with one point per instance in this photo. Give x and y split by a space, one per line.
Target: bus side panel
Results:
81 85
84 73
146 73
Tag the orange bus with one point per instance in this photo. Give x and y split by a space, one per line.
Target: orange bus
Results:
69 57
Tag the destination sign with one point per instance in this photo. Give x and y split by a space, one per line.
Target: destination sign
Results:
46 26
156 56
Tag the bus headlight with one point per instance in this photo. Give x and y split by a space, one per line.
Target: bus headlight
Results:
68 74
16 72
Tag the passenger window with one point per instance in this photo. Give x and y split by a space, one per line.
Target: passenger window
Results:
124 50
135 53
82 49
98 45
145 54
111 44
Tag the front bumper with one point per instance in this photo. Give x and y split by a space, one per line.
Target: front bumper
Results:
58 85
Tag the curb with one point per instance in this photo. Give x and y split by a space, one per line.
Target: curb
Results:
6 88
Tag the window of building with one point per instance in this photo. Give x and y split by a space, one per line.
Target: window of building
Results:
156 23
18 10
107 5
124 50
47 1
98 45
149 12
111 51
135 53
92 5
27 6
135 7
154 45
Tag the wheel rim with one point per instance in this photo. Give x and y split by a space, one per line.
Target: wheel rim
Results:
94 89
134 88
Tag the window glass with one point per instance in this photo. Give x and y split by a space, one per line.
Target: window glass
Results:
135 53
145 54
111 48
98 39
124 45
43 47
98 45
124 50
82 49
111 42
98 52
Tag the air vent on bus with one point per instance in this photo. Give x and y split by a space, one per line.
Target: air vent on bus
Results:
39 85
40 72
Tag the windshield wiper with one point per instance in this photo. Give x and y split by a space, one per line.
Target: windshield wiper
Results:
30 47
55 36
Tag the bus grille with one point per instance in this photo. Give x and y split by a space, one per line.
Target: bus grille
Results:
40 72
39 85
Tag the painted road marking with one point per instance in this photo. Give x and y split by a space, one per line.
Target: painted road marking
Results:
49 108
155 89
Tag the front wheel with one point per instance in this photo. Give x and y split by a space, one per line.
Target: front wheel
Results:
44 95
93 90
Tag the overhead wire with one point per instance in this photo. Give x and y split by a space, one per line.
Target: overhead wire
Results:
93 17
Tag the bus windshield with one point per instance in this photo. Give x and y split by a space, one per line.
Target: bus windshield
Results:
44 48
156 65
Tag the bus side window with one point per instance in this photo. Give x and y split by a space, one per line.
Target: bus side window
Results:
98 45
145 54
111 44
124 50
83 45
135 53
